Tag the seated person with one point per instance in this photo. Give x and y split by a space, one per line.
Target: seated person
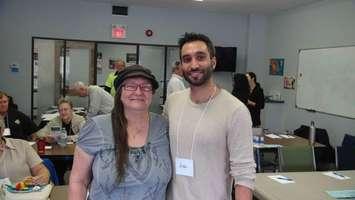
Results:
67 119
17 124
20 162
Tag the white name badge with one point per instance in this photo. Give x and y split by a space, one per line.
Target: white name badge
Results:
184 167
7 132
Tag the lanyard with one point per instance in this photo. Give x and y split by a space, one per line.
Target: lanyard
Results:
197 125
7 121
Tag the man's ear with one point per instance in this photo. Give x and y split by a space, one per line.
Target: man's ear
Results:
214 62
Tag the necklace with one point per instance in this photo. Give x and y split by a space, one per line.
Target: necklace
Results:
138 134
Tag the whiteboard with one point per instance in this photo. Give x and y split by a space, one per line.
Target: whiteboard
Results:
326 80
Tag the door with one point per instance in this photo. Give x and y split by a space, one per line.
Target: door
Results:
153 57
79 66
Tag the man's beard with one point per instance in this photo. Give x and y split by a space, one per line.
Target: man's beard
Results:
206 75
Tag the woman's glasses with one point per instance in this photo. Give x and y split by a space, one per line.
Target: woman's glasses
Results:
133 87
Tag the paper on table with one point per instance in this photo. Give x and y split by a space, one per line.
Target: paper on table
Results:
79 108
255 145
336 175
282 179
342 194
49 117
273 136
287 136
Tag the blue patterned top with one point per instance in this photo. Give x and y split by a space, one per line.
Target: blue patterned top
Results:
149 167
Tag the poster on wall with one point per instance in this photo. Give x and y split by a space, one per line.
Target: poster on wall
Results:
276 66
14 67
131 58
289 82
99 62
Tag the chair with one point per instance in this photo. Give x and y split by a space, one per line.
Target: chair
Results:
324 156
297 158
345 157
53 173
348 140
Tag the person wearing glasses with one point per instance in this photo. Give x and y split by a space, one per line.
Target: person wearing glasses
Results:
125 154
210 131
66 119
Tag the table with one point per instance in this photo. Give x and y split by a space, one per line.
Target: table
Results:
308 185
59 193
58 151
299 141
277 143
61 157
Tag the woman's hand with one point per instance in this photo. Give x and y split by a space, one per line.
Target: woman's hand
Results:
36 180
40 175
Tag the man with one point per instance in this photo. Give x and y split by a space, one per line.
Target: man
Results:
256 100
118 65
67 119
100 101
210 131
175 83
17 124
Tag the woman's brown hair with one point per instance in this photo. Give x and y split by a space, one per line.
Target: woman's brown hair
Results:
120 136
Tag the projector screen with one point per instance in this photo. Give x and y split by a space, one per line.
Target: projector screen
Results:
326 80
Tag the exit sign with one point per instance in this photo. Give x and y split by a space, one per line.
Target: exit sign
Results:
118 31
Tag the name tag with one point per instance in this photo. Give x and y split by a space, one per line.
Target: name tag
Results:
7 132
184 167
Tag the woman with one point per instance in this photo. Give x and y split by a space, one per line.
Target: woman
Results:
241 88
67 119
256 99
20 162
125 154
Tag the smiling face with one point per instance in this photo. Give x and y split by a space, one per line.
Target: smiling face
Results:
65 112
136 94
197 63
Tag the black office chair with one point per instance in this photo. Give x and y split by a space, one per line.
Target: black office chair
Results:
345 157
324 156
348 140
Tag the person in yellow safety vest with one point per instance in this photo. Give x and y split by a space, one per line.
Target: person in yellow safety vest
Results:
119 65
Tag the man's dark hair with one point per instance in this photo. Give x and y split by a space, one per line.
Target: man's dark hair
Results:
192 37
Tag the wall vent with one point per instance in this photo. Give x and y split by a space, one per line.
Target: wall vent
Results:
120 10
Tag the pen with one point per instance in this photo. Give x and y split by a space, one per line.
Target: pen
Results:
335 173
284 178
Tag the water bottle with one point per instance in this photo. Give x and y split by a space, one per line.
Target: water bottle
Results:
62 141
312 133
261 139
